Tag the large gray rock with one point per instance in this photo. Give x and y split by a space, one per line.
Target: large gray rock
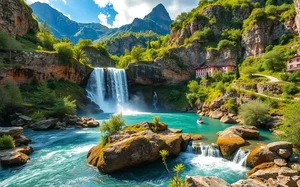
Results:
15 157
248 183
44 125
14 132
275 146
198 181
244 131
227 119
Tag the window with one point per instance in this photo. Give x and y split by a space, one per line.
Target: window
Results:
298 59
298 65
291 66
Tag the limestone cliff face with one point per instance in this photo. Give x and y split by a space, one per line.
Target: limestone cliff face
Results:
97 59
16 18
297 19
25 66
263 34
216 11
179 66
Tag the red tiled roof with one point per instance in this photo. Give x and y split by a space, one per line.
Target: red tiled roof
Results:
296 56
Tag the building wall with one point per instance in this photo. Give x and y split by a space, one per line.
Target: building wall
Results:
293 64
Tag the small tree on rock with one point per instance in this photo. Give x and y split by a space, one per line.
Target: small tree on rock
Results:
254 112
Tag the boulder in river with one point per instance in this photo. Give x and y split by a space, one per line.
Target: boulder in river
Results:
15 157
42 125
137 144
229 143
259 155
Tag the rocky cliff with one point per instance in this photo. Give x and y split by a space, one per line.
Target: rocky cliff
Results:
297 19
16 18
25 66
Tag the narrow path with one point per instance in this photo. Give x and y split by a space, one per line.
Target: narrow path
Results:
271 78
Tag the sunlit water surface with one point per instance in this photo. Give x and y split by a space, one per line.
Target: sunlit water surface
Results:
59 157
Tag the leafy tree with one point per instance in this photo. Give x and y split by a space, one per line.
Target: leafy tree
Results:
124 61
44 97
291 124
274 60
8 42
254 112
136 52
65 52
250 70
80 56
84 43
237 73
14 96
176 181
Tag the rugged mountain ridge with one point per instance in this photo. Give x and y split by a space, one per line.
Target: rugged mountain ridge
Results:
16 18
157 21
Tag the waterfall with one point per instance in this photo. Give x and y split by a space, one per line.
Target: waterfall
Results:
107 87
240 157
207 150
155 100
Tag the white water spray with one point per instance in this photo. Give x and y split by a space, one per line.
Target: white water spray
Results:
108 89
207 150
240 157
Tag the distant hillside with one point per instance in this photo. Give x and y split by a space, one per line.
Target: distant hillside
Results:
158 21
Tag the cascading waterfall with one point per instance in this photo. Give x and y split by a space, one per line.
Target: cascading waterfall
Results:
155 100
207 150
240 157
107 87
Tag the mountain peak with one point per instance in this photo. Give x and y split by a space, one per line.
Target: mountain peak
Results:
159 13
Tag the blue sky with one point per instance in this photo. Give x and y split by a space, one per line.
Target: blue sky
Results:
115 13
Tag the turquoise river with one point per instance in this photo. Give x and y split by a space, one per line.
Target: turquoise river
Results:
59 157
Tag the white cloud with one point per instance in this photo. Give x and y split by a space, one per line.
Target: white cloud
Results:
69 16
103 19
130 9
33 1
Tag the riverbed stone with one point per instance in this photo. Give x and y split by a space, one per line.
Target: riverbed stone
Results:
15 157
229 143
259 155
14 132
199 181
261 167
275 146
280 162
284 153
217 114
243 131
248 183
227 119
44 124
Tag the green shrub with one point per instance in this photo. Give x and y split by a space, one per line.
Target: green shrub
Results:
232 35
231 106
6 142
38 115
290 89
176 181
284 77
274 60
291 126
65 52
294 77
156 120
136 52
64 107
226 44
43 97
254 112
112 126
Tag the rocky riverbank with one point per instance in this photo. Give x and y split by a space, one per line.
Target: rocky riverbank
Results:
18 155
19 120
